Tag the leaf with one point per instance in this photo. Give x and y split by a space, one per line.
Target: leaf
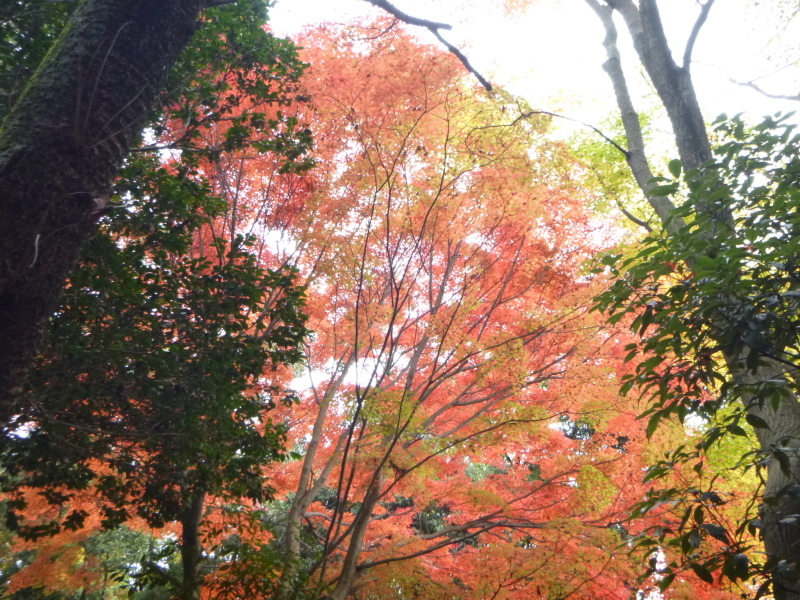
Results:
675 168
699 517
737 430
652 423
783 461
756 422
716 532
702 572
666 582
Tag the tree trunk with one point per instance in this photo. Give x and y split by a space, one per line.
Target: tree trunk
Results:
780 531
191 548
676 91
349 573
309 486
60 149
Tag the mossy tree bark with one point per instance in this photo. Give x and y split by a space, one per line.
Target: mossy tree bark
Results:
61 147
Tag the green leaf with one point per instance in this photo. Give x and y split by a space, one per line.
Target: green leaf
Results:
666 582
675 168
783 461
652 423
702 572
756 421
716 532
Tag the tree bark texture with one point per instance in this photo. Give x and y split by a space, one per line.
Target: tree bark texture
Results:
675 89
60 149
191 546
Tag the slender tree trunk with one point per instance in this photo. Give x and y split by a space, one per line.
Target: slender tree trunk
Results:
349 572
676 91
191 548
60 149
309 486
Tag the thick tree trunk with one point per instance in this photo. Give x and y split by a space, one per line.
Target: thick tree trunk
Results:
60 149
675 89
780 512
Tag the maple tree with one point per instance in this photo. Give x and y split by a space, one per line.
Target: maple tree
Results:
734 344
459 432
449 310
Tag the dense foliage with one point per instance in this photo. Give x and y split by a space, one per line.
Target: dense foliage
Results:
171 341
697 297
152 385
455 428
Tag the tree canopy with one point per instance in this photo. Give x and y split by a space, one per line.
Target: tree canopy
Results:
339 322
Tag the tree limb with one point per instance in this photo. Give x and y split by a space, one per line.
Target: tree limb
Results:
433 27
698 24
752 85
406 18
636 156
635 219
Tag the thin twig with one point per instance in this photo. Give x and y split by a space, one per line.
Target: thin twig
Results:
529 114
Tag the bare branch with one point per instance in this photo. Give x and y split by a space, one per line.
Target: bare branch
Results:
406 18
531 113
698 24
464 61
636 220
434 27
754 86
592 127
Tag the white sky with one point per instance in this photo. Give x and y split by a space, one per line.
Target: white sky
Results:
552 55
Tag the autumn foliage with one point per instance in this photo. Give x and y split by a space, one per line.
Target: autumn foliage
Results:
459 431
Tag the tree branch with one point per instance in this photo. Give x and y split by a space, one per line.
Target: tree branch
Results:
752 85
636 156
698 24
463 59
530 113
406 18
635 219
433 27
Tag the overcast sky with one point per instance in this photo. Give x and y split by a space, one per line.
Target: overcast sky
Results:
552 55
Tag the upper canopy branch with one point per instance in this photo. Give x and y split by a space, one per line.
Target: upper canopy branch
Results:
406 18
635 154
434 27
698 24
